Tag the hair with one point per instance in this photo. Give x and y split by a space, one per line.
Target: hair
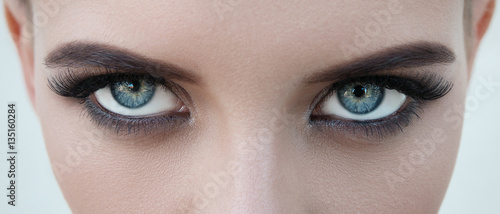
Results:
26 2
28 9
468 28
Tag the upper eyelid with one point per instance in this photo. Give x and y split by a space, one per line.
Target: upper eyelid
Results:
427 81
66 81
81 54
430 81
69 84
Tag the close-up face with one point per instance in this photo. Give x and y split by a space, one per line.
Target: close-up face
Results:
251 106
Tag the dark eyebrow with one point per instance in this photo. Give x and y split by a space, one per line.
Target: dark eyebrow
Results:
87 54
411 55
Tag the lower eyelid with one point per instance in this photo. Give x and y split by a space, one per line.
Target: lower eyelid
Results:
371 130
133 124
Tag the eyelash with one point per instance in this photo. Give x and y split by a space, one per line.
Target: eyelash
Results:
418 90
88 81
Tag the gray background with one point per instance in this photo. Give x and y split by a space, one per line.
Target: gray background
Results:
474 188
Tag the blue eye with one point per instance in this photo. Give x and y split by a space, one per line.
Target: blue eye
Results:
132 94
361 101
138 97
360 98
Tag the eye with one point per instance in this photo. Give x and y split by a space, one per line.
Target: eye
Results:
361 101
138 97
126 102
377 106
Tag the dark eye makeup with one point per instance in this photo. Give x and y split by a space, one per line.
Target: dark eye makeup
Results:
418 91
83 84
88 81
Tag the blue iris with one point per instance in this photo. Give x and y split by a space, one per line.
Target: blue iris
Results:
360 98
132 94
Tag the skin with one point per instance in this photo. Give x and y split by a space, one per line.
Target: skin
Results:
251 61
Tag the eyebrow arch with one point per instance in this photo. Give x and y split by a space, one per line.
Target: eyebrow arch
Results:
413 55
88 54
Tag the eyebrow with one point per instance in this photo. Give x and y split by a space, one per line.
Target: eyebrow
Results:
413 55
88 54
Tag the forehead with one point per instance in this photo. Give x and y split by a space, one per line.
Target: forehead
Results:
235 34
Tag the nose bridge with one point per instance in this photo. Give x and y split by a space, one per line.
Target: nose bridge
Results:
255 157
253 128
253 138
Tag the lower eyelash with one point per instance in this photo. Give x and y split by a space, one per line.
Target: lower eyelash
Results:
374 130
131 125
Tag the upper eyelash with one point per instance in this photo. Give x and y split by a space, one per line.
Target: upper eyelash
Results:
69 85
428 87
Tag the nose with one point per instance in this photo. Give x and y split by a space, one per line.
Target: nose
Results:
255 182
257 171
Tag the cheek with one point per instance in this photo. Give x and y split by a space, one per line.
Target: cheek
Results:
97 174
410 176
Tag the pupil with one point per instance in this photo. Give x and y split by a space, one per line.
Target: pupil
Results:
133 86
359 91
